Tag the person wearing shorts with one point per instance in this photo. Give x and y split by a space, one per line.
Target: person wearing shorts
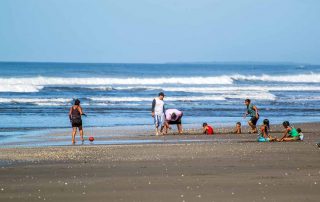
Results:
75 114
173 116
157 112
253 112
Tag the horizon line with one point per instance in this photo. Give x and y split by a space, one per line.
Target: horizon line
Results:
193 62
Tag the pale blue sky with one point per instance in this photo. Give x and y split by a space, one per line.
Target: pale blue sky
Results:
155 31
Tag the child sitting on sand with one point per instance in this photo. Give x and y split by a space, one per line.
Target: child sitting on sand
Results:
237 129
290 133
207 129
264 135
300 133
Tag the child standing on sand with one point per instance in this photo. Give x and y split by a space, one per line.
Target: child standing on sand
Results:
252 111
157 112
290 133
207 129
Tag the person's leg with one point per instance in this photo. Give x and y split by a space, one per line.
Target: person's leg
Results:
288 139
252 123
162 124
156 123
251 126
179 126
166 127
81 133
74 131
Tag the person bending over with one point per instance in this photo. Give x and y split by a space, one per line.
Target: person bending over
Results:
173 116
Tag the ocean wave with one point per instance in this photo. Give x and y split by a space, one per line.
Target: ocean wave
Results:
51 81
35 84
300 78
226 89
144 99
19 88
38 101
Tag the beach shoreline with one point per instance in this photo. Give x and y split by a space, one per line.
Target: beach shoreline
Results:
229 167
142 134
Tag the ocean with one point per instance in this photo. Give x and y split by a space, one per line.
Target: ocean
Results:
36 97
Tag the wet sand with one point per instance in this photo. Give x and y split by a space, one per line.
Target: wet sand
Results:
225 167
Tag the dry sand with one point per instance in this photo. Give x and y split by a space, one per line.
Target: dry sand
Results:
220 168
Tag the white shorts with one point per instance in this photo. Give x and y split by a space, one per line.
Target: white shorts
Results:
159 120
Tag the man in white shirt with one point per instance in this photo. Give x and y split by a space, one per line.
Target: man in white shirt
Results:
157 112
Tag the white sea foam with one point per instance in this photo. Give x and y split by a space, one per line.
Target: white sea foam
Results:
143 99
226 89
19 88
35 84
300 78
37 101
51 81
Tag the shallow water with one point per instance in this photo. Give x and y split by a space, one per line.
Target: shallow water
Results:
35 97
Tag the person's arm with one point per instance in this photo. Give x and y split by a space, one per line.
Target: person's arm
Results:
81 112
70 113
153 107
263 131
257 111
285 134
245 114
204 130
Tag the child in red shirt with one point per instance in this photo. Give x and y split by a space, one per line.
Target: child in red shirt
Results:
208 130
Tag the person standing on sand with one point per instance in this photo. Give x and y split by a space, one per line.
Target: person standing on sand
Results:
173 116
75 119
157 112
252 110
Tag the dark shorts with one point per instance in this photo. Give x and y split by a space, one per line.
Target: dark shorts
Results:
175 122
76 123
254 120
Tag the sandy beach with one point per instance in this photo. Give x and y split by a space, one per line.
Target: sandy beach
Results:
223 167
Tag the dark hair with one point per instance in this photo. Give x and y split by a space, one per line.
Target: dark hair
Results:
161 94
286 123
248 100
267 123
204 124
299 130
173 116
239 123
77 102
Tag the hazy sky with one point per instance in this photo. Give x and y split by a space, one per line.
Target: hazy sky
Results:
160 30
